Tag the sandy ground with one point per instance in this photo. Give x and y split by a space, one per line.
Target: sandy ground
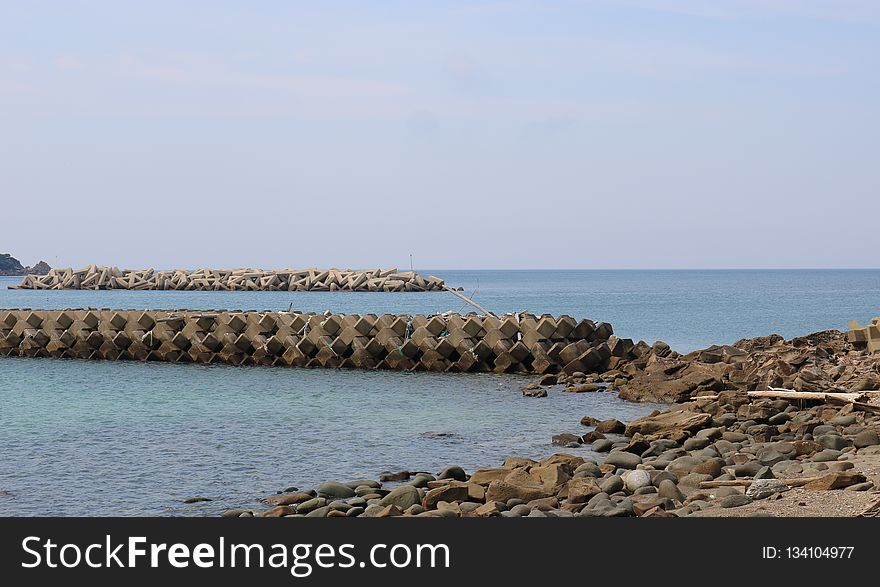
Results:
800 502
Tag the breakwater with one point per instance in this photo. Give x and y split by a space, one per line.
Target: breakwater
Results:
513 343
97 277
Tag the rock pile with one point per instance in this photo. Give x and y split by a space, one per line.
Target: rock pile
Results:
515 343
823 361
718 451
101 277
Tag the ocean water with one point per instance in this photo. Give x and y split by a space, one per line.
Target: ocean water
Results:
687 309
100 438
108 438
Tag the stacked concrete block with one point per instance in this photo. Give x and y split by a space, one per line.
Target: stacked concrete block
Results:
102 277
513 343
867 337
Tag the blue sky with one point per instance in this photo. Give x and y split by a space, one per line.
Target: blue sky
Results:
507 134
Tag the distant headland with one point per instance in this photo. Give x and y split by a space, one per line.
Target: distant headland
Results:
9 265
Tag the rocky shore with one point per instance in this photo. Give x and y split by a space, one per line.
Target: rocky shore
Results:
715 451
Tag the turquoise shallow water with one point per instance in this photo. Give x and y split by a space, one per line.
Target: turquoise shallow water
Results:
94 438
102 438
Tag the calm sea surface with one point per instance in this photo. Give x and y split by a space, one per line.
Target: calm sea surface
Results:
94 438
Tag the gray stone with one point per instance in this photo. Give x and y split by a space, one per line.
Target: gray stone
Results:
693 480
683 465
612 484
735 501
749 469
635 480
696 443
421 480
335 490
833 441
404 497
826 456
588 469
769 456
520 510
602 445
866 438
710 433
669 490
765 473
780 418
866 486
320 512
312 504
453 472
763 488
623 459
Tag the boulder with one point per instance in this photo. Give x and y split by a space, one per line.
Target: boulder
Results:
287 498
610 427
673 383
763 488
623 459
580 490
404 497
635 480
866 438
453 472
736 500
517 485
551 475
565 439
836 480
668 424
335 490
449 493
486 476
490 509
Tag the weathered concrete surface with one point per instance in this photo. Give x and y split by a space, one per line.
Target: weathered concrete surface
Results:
99 277
447 342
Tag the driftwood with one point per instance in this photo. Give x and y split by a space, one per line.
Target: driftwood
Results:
795 482
806 395
832 397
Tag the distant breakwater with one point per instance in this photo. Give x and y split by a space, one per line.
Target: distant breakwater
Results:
513 343
95 277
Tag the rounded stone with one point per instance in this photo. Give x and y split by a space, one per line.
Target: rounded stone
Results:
623 459
866 438
336 490
635 480
612 484
736 500
312 504
453 472
669 490
404 497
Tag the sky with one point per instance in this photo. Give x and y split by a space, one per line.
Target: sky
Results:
495 134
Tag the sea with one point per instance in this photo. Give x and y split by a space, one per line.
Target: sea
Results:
92 438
